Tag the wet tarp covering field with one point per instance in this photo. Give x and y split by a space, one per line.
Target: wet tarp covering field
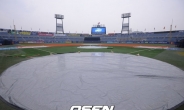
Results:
128 82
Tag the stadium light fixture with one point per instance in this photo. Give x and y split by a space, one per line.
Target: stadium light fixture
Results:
59 26
125 26
126 15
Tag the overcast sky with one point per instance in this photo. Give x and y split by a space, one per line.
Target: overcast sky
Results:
81 15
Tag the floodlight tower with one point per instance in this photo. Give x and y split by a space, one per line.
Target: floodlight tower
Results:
59 26
125 26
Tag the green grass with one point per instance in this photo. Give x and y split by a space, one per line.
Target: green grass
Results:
172 57
11 57
143 52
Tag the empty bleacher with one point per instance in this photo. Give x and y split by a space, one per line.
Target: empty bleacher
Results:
45 37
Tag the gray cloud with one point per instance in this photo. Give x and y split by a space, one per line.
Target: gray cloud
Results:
80 15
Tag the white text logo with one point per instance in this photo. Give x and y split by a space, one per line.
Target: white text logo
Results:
98 30
91 108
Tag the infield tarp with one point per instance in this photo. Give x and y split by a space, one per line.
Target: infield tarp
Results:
126 81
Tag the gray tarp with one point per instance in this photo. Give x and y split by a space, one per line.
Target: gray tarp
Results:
126 81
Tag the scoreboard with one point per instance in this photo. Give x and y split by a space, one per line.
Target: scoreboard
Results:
98 30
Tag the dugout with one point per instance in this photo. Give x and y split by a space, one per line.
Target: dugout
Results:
92 40
6 41
180 43
1 41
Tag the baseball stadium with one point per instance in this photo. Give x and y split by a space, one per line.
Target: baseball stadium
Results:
126 70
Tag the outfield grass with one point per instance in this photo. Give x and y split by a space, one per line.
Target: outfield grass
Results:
143 52
172 57
11 57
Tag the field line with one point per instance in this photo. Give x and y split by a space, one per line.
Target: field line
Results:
140 50
46 51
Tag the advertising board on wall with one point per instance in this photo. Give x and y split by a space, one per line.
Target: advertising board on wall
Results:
45 34
146 42
34 33
25 32
68 41
155 42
